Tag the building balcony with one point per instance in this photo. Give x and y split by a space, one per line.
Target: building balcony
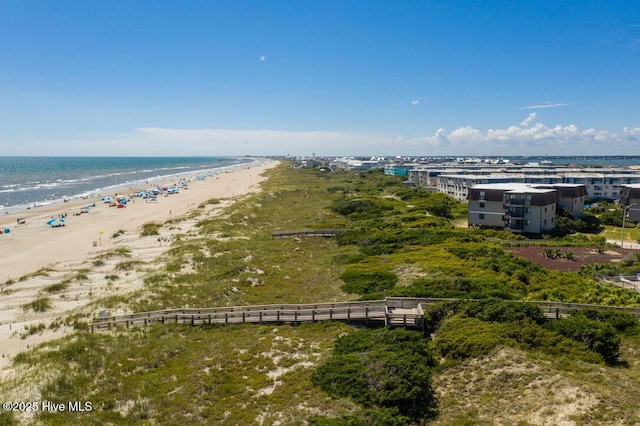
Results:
516 212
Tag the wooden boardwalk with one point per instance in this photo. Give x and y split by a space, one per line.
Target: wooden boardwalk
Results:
366 313
307 233
392 312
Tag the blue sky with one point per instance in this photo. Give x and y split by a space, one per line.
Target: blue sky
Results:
325 77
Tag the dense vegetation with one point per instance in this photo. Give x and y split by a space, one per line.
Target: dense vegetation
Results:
398 241
386 371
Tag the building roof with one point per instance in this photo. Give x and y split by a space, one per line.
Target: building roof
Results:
496 192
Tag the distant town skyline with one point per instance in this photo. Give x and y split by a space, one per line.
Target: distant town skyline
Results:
334 78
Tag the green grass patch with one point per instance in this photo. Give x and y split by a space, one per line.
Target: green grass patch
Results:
116 252
42 272
58 287
40 304
150 228
128 265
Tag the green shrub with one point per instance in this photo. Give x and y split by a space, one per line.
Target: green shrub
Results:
480 286
436 313
345 259
360 207
500 311
367 282
623 322
150 228
370 416
532 336
381 369
598 336
461 338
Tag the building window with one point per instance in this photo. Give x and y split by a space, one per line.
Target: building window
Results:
527 222
545 221
527 210
482 194
545 209
481 216
482 204
527 197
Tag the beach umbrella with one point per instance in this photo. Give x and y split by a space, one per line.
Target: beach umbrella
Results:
55 222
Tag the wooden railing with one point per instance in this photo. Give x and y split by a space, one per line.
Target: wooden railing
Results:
368 312
307 232
392 311
631 282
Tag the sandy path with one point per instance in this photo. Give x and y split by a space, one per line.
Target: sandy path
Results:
35 245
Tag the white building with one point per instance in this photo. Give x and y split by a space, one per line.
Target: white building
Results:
456 180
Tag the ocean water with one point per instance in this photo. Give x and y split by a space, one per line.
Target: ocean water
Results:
587 160
28 181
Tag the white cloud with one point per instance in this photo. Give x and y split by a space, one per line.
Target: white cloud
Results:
465 135
528 138
263 58
415 102
547 105
530 119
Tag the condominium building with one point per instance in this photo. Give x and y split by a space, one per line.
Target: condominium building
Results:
630 201
457 180
522 208
457 186
570 197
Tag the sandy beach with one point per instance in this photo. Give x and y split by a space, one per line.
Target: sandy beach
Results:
33 245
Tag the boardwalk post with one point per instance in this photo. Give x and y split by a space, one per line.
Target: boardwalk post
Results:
176 318
278 317
260 317
313 315
163 319
243 317
127 323
404 320
226 318
295 318
145 323
366 315
557 313
209 319
193 320
348 315
330 314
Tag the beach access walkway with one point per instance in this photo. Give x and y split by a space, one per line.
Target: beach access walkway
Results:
631 282
392 312
307 233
